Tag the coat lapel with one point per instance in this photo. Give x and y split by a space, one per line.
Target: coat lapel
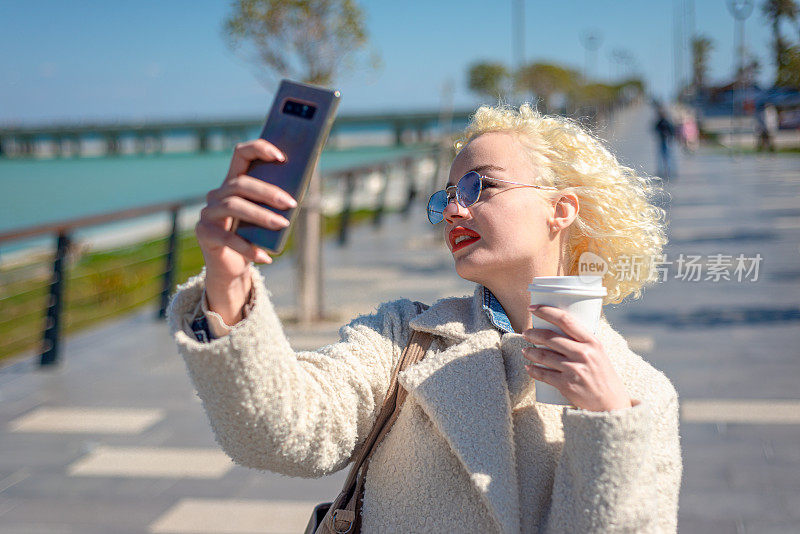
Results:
463 390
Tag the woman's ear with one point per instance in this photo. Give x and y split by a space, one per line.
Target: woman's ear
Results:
565 211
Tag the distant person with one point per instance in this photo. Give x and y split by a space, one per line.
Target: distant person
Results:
472 451
766 127
689 133
665 132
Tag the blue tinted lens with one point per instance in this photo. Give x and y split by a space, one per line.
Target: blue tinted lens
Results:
436 206
469 189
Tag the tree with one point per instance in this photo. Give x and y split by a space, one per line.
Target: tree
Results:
748 72
546 80
305 40
776 11
701 48
488 79
790 75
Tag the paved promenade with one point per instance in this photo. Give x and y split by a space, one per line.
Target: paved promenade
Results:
115 441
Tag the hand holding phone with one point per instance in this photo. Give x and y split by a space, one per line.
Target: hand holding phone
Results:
298 124
240 197
252 210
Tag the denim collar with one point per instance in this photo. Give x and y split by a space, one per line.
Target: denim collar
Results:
495 312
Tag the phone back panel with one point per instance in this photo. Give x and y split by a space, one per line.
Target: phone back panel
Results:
298 125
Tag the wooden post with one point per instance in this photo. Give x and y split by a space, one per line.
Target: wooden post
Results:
309 254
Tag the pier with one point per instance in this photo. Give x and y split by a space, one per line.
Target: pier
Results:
143 137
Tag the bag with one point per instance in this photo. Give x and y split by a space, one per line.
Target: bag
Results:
343 514
319 513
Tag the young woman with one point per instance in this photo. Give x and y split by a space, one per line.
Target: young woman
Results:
472 450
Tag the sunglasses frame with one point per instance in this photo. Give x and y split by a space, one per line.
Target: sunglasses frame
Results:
458 199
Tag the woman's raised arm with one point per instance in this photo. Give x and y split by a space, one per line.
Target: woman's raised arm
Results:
295 413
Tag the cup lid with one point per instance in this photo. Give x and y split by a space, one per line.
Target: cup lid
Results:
568 281
578 285
574 291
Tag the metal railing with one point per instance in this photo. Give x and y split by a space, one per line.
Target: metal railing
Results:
22 304
29 294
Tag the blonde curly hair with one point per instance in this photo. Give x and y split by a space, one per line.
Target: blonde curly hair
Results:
616 218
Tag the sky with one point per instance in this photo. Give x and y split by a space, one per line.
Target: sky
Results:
82 60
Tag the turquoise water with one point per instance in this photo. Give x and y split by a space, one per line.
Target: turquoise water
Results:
34 192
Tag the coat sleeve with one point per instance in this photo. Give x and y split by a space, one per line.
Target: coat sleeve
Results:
619 471
295 413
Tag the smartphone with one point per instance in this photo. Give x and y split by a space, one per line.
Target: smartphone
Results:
298 125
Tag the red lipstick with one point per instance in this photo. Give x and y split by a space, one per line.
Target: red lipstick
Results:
460 237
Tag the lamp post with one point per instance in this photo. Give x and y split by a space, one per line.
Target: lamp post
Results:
740 10
591 41
518 44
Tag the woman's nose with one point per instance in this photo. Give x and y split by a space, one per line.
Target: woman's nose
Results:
454 211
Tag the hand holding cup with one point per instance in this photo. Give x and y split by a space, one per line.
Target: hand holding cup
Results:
576 362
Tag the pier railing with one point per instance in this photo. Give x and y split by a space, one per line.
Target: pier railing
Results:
111 282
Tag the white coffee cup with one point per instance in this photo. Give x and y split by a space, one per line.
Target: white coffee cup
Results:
582 297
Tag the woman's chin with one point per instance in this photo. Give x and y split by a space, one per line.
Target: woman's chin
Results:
469 267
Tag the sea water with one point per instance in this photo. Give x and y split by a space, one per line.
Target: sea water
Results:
42 191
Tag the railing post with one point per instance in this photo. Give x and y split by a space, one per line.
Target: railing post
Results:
440 173
344 220
169 272
378 217
52 327
408 167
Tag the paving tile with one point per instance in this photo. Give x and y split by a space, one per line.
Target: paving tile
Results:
767 526
209 516
791 500
738 505
760 412
266 485
36 528
152 462
86 420
11 479
50 485
78 515
694 525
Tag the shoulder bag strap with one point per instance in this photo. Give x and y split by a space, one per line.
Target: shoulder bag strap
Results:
344 511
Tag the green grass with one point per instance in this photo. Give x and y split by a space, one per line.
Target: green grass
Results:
101 286
785 151
711 141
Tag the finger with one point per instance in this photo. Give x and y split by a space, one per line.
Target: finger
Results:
545 357
544 338
567 322
246 153
258 191
549 376
240 208
214 234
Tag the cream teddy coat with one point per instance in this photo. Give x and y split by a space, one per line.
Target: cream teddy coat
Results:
471 451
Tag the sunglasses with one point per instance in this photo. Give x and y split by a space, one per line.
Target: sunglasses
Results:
466 192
